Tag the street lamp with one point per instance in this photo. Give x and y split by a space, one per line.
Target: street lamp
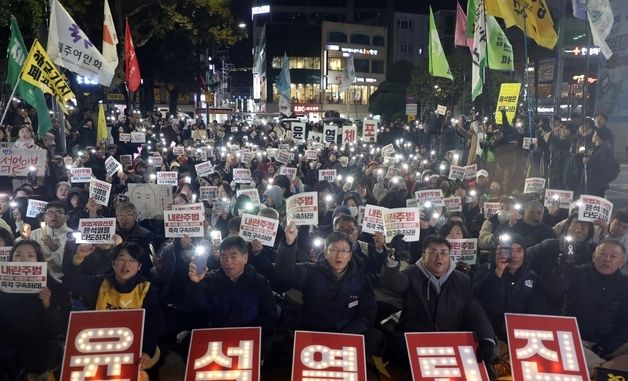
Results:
241 25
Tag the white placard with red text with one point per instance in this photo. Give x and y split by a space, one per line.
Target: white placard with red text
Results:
253 193
490 209
595 208
19 161
327 175
107 342
559 197
156 161
545 347
138 137
180 223
402 221
126 161
302 209
260 228
80 175
208 192
369 131
373 219
284 156
242 176
534 185
5 252
99 191
35 208
96 230
349 134
204 169
433 196
168 178
453 204
224 354
23 277
444 356
470 171
289 172
465 250
314 351
456 172
112 166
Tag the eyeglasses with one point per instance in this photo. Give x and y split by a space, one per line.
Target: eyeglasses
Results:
339 251
121 261
443 252
54 212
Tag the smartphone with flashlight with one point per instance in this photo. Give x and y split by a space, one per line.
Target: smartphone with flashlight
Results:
504 244
427 211
200 258
216 236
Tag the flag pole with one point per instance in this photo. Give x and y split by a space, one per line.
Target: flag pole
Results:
527 73
585 82
6 109
487 69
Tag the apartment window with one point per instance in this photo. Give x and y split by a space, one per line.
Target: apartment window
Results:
377 66
403 48
378 41
337 37
361 66
361 39
404 24
312 63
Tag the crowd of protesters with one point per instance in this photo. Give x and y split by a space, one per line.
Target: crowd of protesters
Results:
330 277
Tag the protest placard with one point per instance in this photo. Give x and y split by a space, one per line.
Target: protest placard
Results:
242 176
441 110
453 204
204 169
253 193
470 171
138 137
200 154
179 223
284 146
23 277
433 196
246 156
315 137
20 161
150 200
465 250
298 132
310 154
360 218
126 161
349 134
96 230
35 208
559 197
402 221
5 252
527 142
456 172
80 175
507 100
168 178
302 209
369 131
99 191
388 150
125 137
178 150
594 208
112 166
490 209
373 219
534 185
330 133
412 203
260 228
327 175
289 172
156 161
208 192
284 156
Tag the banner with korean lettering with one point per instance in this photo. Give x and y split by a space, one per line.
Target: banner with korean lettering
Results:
558 197
470 171
433 196
5 252
96 230
453 204
349 134
208 192
330 133
594 208
15 162
284 156
289 172
204 169
444 355
253 193
242 176
310 154
402 221
369 131
490 209
260 228
35 208
156 160
80 175
138 137
99 191
327 175
465 250
103 345
224 354
507 100
534 185
298 132
112 166
180 223
456 172
329 356
302 209
23 277
545 347
373 219
168 178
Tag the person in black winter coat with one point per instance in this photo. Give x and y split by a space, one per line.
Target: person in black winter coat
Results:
601 166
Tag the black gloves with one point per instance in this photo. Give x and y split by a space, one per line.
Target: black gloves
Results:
486 353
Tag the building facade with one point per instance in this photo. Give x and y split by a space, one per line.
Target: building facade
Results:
408 36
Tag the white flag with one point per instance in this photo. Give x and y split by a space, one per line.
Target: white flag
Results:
283 85
348 76
478 53
601 20
109 39
69 47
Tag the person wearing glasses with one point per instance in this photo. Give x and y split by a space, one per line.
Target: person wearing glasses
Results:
337 297
436 297
52 236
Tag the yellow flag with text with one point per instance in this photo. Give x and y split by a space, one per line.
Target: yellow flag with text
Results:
537 23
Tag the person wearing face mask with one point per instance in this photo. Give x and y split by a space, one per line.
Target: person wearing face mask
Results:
504 220
531 226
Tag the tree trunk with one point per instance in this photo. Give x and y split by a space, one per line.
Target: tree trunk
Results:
173 98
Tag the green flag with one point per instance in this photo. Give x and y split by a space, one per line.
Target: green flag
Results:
470 17
499 48
16 56
438 65
478 53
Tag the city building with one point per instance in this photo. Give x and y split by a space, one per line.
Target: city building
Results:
408 37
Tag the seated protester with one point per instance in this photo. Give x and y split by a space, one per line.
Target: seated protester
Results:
123 288
235 295
337 297
618 228
273 198
76 205
506 285
262 257
453 229
504 219
32 326
531 226
53 236
130 230
436 297
596 296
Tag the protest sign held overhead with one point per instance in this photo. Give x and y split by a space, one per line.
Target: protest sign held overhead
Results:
260 228
302 209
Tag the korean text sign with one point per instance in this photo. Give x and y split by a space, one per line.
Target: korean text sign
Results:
544 347
333 356
302 208
444 355
23 277
81 175
179 223
257 227
465 250
242 176
103 345
594 208
96 230
224 354
99 191
18 161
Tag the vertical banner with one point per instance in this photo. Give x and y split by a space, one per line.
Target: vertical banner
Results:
444 356
302 208
298 132
328 356
545 347
224 354
349 134
507 100
103 345
369 131
330 133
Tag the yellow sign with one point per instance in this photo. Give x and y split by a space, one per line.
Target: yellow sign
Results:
411 118
508 98
39 71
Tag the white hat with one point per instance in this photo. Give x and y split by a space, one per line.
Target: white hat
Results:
481 172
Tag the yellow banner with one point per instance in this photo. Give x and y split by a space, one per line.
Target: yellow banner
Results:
39 71
508 98
538 23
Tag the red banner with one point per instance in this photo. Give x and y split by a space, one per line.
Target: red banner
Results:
132 71
444 355
224 354
103 345
333 356
545 348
